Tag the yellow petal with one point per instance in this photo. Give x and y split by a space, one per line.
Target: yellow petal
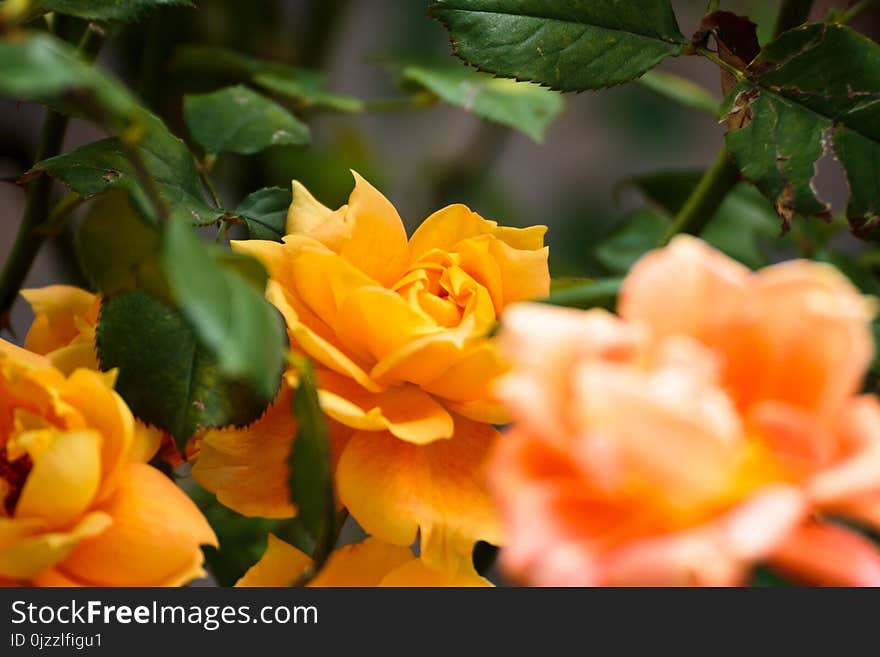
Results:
362 564
75 356
147 441
56 308
247 468
154 540
377 245
30 556
524 274
321 347
394 489
64 479
446 228
305 212
23 356
374 322
406 411
530 238
471 376
281 565
105 411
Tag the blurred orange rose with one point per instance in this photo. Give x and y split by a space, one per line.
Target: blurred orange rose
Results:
398 331
716 424
79 504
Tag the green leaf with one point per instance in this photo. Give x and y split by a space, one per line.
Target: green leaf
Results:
242 539
743 223
814 86
600 293
303 85
103 165
117 251
265 213
570 46
311 474
232 319
42 68
238 120
104 10
167 379
637 234
520 105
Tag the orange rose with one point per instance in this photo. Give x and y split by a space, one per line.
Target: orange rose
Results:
79 504
398 331
712 426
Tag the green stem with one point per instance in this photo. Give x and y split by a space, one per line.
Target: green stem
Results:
204 167
706 198
854 12
415 101
31 234
30 238
713 6
791 14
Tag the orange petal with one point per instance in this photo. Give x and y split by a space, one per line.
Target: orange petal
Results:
686 288
281 565
828 555
362 564
406 411
64 479
29 556
394 488
75 356
154 540
247 468
374 322
321 346
772 357
417 573
377 245
105 411
445 228
858 472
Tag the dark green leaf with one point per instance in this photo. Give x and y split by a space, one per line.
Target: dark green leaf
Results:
637 234
265 213
251 271
520 105
311 474
103 165
105 10
813 86
238 120
166 378
570 46
232 319
305 86
117 251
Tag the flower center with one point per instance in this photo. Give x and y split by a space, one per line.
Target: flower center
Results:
13 474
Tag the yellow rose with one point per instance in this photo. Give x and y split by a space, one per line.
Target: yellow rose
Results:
64 326
397 330
78 503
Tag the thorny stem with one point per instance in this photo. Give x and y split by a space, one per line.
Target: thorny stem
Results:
706 198
31 236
